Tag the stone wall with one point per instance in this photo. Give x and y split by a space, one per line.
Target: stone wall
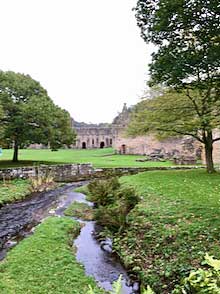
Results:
60 173
123 171
147 145
216 152
77 172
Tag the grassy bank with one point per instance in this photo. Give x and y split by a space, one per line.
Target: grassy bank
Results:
44 263
80 210
173 226
13 190
98 157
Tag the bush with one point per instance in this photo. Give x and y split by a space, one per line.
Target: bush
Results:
113 202
101 192
41 183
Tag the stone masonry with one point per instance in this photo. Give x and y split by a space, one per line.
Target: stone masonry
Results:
60 173
112 135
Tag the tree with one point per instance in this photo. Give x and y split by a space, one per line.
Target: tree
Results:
187 34
62 131
29 114
1 123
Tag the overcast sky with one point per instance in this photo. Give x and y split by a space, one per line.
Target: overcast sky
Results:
88 54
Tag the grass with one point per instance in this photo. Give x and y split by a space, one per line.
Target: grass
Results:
82 189
44 263
98 157
80 210
11 191
173 226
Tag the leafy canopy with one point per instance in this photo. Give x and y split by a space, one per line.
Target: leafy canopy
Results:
187 35
30 115
172 114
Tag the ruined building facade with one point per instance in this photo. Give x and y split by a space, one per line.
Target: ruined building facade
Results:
91 136
150 145
113 135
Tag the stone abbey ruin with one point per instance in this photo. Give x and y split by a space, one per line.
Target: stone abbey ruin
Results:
103 135
91 136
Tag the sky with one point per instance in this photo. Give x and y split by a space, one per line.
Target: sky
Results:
88 54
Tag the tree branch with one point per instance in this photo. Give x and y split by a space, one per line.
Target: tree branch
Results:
194 102
216 139
182 133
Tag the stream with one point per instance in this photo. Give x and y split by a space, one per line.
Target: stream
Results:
18 220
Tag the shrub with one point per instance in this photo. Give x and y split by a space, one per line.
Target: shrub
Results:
102 191
41 183
113 202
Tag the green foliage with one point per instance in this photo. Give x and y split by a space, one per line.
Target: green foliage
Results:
44 263
187 33
41 183
117 286
80 210
113 202
61 131
102 192
148 291
13 190
171 228
187 60
82 189
158 115
30 116
175 114
1 126
206 281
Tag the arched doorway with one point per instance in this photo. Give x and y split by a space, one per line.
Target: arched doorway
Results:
83 145
123 149
102 144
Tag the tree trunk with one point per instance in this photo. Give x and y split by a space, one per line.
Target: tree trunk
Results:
208 153
15 156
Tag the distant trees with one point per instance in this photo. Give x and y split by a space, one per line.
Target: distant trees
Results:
187 61
29 115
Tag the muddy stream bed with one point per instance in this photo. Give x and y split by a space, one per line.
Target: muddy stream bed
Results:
18 220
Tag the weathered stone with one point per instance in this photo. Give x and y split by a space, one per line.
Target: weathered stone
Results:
77 172
191 160
60 173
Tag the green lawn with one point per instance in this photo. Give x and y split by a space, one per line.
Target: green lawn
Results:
45 263
13 190
175 224
98 157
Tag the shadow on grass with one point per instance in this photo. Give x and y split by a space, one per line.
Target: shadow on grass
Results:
21 163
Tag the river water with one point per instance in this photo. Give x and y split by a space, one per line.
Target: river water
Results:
16 220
